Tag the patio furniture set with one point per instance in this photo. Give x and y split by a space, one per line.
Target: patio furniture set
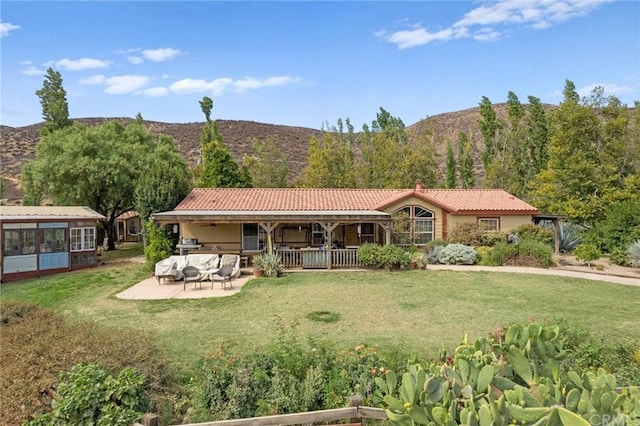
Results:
196 268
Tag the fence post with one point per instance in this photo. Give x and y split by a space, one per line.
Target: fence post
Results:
356 401
150 419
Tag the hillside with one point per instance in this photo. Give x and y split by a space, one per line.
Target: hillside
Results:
18 143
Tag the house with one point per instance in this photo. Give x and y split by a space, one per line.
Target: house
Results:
129 227
300 222
44 240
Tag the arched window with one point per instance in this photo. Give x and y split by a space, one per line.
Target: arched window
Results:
421 224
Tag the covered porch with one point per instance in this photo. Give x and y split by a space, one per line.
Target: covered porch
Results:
309 239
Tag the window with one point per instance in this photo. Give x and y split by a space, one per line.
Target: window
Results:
53 240
83 239
489 224
17 242
418 226
366 233
317 234
253 237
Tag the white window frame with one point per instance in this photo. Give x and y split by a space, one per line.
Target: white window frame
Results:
82 239
489 223
417 221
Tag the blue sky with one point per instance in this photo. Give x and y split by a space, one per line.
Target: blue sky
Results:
307 63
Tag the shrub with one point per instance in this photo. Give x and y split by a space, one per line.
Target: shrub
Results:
619 228
587 252
484 257
526 253
159 246
89 395
457 254
536 233
37 344
383 256
618 256
633 252
467 233
491 238
434 255
287 376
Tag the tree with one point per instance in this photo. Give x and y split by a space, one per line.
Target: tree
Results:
465 161
165 182
587 169
390 160
218 169
489 125
53 98
569 92
450 166
330 162
537 136
268 166
97 167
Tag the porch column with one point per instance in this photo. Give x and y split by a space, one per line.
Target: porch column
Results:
556 235
268 228
328 229
387 232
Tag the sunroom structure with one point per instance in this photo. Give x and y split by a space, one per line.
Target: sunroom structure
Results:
44 240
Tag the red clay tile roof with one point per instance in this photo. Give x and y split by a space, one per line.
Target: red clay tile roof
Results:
313 199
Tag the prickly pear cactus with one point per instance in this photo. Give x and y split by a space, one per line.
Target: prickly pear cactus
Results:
507 382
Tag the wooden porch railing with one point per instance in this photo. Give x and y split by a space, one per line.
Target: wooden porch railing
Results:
340 258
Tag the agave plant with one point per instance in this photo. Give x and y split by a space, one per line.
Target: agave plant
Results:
270 263
569 235
633 252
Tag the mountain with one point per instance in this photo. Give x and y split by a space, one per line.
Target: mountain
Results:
18 143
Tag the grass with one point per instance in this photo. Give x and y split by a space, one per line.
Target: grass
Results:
414 310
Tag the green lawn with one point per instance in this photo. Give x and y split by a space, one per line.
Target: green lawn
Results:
421 310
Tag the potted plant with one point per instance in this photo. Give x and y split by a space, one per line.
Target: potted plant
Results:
416 260
258 266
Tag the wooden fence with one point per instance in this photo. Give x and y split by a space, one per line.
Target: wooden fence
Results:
356 414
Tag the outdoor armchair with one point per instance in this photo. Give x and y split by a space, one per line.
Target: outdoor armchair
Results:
191 275
223 276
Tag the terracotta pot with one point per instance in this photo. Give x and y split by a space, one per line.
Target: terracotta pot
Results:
413 265
258 273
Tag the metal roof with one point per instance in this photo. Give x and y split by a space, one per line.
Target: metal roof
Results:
48 213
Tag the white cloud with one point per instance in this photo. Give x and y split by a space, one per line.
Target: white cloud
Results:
154 92
6 28
135 60
161 55
93 80
122 84
609 89
81 64
480 23
218 86
189 85
32 70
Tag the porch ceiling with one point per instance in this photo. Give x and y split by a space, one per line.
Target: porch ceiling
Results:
342 216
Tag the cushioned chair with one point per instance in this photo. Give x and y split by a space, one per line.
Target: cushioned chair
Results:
191 275
223 276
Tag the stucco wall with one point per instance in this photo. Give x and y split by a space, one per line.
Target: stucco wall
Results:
507 222
226 236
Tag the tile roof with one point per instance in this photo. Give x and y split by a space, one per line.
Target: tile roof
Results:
306 199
